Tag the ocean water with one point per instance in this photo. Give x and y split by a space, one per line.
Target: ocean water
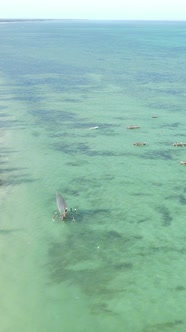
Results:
120 266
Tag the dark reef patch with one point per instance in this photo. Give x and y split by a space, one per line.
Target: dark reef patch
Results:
170 125
84 149
3 115
90 259
123 266
113 235
19 179
11 169
165 326
160 154
9 231
182 199
72 100
165 215
180 288
53 118
3 107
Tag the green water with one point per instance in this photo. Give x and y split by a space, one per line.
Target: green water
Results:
121 265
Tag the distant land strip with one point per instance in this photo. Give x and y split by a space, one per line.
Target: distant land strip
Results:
25 19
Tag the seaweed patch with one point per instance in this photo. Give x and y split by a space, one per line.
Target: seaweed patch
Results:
166 216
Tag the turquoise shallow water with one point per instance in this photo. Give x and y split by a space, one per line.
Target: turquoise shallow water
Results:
121 265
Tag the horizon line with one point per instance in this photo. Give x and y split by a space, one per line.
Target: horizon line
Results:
89 19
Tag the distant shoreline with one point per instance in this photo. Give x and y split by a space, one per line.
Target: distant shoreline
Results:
15 20
9 20
22 20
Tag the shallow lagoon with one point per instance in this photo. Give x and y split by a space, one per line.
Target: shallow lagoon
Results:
121 265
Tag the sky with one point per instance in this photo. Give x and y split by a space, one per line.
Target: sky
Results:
95 9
